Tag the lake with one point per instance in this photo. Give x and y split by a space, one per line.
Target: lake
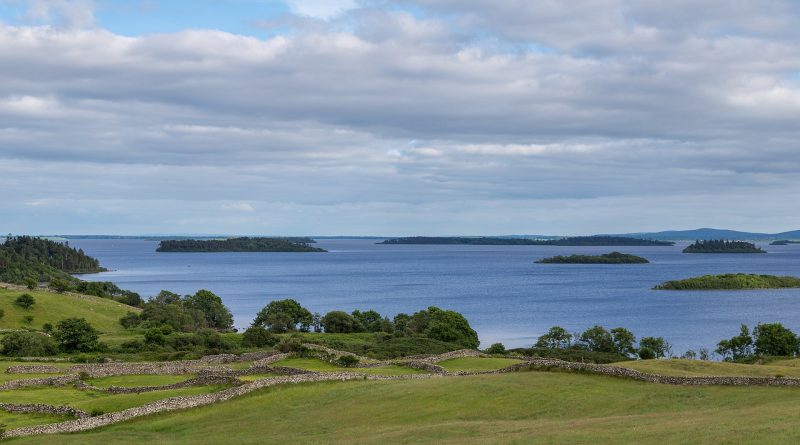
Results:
504 295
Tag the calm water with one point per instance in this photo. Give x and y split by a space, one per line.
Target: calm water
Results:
502 293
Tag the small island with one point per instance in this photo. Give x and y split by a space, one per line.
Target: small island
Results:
722 246
569 241
242 244
606 258
783 242
737 281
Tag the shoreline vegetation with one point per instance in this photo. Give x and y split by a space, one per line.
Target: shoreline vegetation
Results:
606 258
723 246
489 241
241 244
738 281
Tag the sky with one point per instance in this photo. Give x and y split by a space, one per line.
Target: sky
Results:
395 117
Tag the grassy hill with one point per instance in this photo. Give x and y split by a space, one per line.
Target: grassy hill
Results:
50 307
526 407
691 368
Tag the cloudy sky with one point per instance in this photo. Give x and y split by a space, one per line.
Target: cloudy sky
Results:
398 117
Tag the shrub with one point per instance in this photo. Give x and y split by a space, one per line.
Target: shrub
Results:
154 336
347 361
646 353
29 344
2 313
60 285
25 301
47 327
130 320
258 337
496 348
290 344
444 325
96 412
657 345
76 335
28 319
30 283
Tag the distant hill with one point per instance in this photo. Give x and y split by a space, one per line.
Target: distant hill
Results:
709 234
243 244
569 241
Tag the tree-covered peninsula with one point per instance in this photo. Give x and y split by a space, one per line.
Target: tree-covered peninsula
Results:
606 258
783 242
242 244
569 241
737 281
722 246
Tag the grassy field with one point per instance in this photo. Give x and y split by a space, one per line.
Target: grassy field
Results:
677 367
526 407
313 364
477 363
51 307
86 400
138 380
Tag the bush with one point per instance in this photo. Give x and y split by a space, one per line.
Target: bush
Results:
347 361
290 344
25 301
47 327
496 348
646 353
60 285
154 336
258 337
28 344
444 325
28 319
2 314
774 339
130 320
556 338
284 316
76 335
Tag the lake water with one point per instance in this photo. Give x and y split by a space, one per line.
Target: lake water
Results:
503 294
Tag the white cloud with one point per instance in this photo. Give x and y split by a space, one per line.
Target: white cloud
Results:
238 207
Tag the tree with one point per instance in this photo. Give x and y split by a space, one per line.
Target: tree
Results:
216 315
25 301
444 325
556 338
400 322
154 336
624 341
738 347
75 335
774 339
316 322
598 339
339 322
284 316
28 344
371 320
258 337
657 345
496 348
31 283
130 320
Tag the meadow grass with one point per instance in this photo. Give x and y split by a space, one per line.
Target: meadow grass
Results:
524 407
138 380
680 367
50 307
314 364
477 363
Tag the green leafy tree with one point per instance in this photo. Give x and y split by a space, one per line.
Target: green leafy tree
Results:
659 347
598 339
60 285
774 339
25 301
738 347
371 320
624 341
339 322
216 315
76 335
154 336
496 348
284 316
555 338
444 325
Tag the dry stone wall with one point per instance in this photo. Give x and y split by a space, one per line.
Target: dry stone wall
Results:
32 369
53 381
39 408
